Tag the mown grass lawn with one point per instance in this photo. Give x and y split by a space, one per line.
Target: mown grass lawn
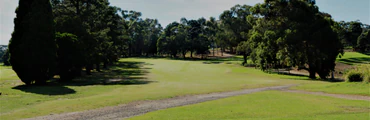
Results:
136 79
271 105
337 88
7 73
144 79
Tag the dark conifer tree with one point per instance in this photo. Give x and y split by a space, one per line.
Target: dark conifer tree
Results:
32 46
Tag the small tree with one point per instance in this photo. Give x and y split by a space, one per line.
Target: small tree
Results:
32 46
69 55
5 58
244 49
363 42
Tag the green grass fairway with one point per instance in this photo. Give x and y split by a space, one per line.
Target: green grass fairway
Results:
338 88
271 105
145 79
7 73
136 79
352 58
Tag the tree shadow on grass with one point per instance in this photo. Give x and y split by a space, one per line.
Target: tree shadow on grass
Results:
366 53
351 61
305 77
205 60
122 73
290 74
212 62
46 90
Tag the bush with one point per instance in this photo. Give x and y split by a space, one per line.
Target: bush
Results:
361 72
367 78
354 76
5 58
365 69
69 55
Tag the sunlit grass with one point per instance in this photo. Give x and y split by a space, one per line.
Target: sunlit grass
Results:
161 78
7 73
338 88
270 105
168 78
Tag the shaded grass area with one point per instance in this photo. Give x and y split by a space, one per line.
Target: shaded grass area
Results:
272 105
123 73
352 58
16 98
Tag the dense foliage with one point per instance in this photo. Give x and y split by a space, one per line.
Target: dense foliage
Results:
4 54
188 36
32 47
300 36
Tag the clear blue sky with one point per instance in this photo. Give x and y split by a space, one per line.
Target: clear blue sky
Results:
167 11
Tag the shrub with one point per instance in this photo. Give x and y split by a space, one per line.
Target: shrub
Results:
360 74
367 78
5 58
365 69
354 76
69 55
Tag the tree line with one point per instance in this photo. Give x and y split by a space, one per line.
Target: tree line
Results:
65 37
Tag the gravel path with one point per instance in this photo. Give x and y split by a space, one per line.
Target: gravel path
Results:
142 107
350 97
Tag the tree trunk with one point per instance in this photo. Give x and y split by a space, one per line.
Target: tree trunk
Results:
184 55
88 69
129 50
245 59
222 52
105 66
77 71
40 82
213 52
66 74
191 54
217 52
98 67
332 75
312 74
